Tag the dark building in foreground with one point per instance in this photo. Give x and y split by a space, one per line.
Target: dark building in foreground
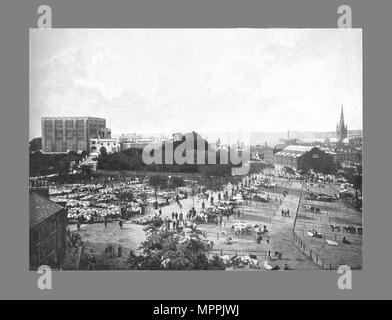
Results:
63 134
304 158
48 223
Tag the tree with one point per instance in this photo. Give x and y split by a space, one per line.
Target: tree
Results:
177 182
103 152
86 172
356 181
144 201
158 182
257 167
166 250
35 144
126 195
122 174
288 170
63 170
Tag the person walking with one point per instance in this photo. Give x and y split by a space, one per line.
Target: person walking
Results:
119 251
93 262
120 223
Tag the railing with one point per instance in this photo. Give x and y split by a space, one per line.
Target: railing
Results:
312 255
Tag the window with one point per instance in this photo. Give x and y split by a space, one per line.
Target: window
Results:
69 134
80 124
80 134
58 123
69 124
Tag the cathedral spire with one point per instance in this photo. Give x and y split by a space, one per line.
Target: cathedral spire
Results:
341 128
341 122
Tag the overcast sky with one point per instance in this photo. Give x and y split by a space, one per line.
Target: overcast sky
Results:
169 80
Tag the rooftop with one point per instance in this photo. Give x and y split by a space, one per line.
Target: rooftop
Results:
294 151
41 208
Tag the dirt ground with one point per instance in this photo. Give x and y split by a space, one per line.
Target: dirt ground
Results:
331 213
96 237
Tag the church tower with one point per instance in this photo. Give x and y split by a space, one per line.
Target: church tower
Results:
341 127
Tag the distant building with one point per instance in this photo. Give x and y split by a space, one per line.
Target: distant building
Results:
341 128
63 134
265 153
111 145
352 157
177 136
303 158
47 230
279 147
139 144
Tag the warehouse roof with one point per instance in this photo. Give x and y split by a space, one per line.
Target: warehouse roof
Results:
41 208
294 151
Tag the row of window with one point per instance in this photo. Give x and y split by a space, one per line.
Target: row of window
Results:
108 143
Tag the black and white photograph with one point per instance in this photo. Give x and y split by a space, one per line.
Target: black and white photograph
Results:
235 149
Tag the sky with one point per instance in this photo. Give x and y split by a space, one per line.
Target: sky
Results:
205 80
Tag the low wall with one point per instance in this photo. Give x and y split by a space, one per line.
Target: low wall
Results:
135 173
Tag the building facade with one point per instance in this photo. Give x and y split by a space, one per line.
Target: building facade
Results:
349 156
304 158
110 145
47 231
267 154
64 134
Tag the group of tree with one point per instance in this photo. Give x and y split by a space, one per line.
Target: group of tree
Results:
166 250
259 166
158 182
35 145
132 159
355 178
60 164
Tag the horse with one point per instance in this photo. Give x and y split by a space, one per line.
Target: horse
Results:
335 228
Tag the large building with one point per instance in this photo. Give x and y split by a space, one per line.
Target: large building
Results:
304 158
341 128
64 134
110 145
48 222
